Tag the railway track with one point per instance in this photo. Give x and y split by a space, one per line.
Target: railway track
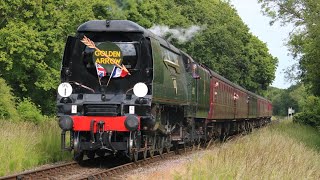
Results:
99 168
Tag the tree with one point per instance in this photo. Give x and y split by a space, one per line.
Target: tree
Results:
304 41
224 44
32 42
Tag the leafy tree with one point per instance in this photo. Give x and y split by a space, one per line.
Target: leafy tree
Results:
299 94
32 42
295 97
149 12
225 44
311 113
304 42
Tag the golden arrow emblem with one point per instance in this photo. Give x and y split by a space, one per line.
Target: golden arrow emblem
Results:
91 44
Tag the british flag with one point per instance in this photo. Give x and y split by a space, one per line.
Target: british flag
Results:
101 71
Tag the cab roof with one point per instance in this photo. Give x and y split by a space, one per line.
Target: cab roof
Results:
110 26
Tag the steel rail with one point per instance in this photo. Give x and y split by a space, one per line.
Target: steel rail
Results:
70 170
42 172
66 170
107 173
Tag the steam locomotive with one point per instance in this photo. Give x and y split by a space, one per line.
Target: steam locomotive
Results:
131 92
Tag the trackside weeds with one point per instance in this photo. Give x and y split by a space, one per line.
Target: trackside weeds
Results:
280 151
273 152
24 145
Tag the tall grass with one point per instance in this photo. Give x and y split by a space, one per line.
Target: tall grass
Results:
305 134
283 151
25 145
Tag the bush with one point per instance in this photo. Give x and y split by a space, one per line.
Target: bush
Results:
28 111
7 102
308 118
311 112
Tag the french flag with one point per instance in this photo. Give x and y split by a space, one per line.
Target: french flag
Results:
101 71
117 72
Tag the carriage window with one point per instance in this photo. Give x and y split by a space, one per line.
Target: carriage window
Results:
170 55
171 59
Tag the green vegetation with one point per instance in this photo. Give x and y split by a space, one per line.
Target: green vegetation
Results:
282 151
12 110
225 44
7 105
305 134
32 41
306 106
282 99
304 40
28 111
24 145
310 114
304 45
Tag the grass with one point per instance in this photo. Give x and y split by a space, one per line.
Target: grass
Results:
24 145
281 151
304 134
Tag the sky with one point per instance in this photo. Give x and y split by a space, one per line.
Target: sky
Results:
274 36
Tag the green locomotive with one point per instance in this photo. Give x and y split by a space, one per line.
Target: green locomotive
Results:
125 90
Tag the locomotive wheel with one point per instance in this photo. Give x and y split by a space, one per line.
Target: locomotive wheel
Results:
145 153
175 147
91 154
133 150
151 151
78 156
160 145
167 144
101 153
167 149
134 156
144 150
77 152
152 148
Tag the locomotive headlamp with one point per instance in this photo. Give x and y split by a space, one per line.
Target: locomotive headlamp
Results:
65 89
140 89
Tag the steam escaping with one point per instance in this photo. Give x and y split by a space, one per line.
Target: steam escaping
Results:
181 34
